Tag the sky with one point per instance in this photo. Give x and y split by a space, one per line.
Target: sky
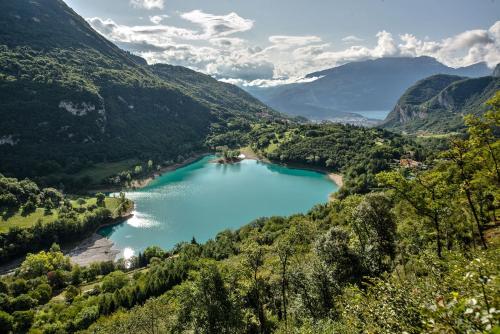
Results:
270 42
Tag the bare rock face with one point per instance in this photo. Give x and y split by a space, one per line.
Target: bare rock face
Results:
438 103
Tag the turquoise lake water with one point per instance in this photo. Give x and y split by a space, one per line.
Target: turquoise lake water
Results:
204 198
373 114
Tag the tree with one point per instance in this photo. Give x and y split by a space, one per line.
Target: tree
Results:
43 293
285 249
23 320
153 251
254 259
429 193
100 197
76 275
332 248
80 201
114 281
23 303
464 159
375 227
209 307
6 322
18 287
41 263
71 293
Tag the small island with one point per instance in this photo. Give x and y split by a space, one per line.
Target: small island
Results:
228 156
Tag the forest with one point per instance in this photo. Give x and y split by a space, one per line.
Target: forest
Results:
417 253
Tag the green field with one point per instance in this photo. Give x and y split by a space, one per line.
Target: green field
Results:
18 220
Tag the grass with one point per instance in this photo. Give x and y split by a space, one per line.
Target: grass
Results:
437 135
18 220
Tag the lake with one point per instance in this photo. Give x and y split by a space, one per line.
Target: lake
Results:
373 114
204 198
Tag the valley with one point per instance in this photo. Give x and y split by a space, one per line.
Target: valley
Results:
142 192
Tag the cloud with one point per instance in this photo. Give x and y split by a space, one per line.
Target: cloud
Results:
158 36
218 25
148 4
269 83
351 39
156 19
214 45
463 49
227 43
286 42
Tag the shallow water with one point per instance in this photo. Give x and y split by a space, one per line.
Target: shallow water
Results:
204 198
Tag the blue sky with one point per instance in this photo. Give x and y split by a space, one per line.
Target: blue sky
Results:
261 42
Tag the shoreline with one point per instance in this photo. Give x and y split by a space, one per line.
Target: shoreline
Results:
336 178
138 184
95 248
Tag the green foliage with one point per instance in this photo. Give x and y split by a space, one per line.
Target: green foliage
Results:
6 322
41 263
359 153
114 281
208 305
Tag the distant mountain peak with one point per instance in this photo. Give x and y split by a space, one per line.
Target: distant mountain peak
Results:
374 84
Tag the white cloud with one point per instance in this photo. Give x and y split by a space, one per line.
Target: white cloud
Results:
156 19
218 25
155 35
351 39
286 42
269 82
464 49
214 47
148 4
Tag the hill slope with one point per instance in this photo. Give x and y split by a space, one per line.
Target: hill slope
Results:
358 86
69 98
438 103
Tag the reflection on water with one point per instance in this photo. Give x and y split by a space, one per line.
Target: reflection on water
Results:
143 220
205 198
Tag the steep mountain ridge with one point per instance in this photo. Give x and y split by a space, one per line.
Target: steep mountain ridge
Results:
358 86
438 103
69 98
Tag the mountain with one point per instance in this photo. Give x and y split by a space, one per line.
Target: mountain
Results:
358 86
69 98
438 103
220 96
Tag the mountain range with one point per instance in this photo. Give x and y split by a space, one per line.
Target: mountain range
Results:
357 86
69 98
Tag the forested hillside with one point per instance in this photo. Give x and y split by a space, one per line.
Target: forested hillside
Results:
418 255
70 99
